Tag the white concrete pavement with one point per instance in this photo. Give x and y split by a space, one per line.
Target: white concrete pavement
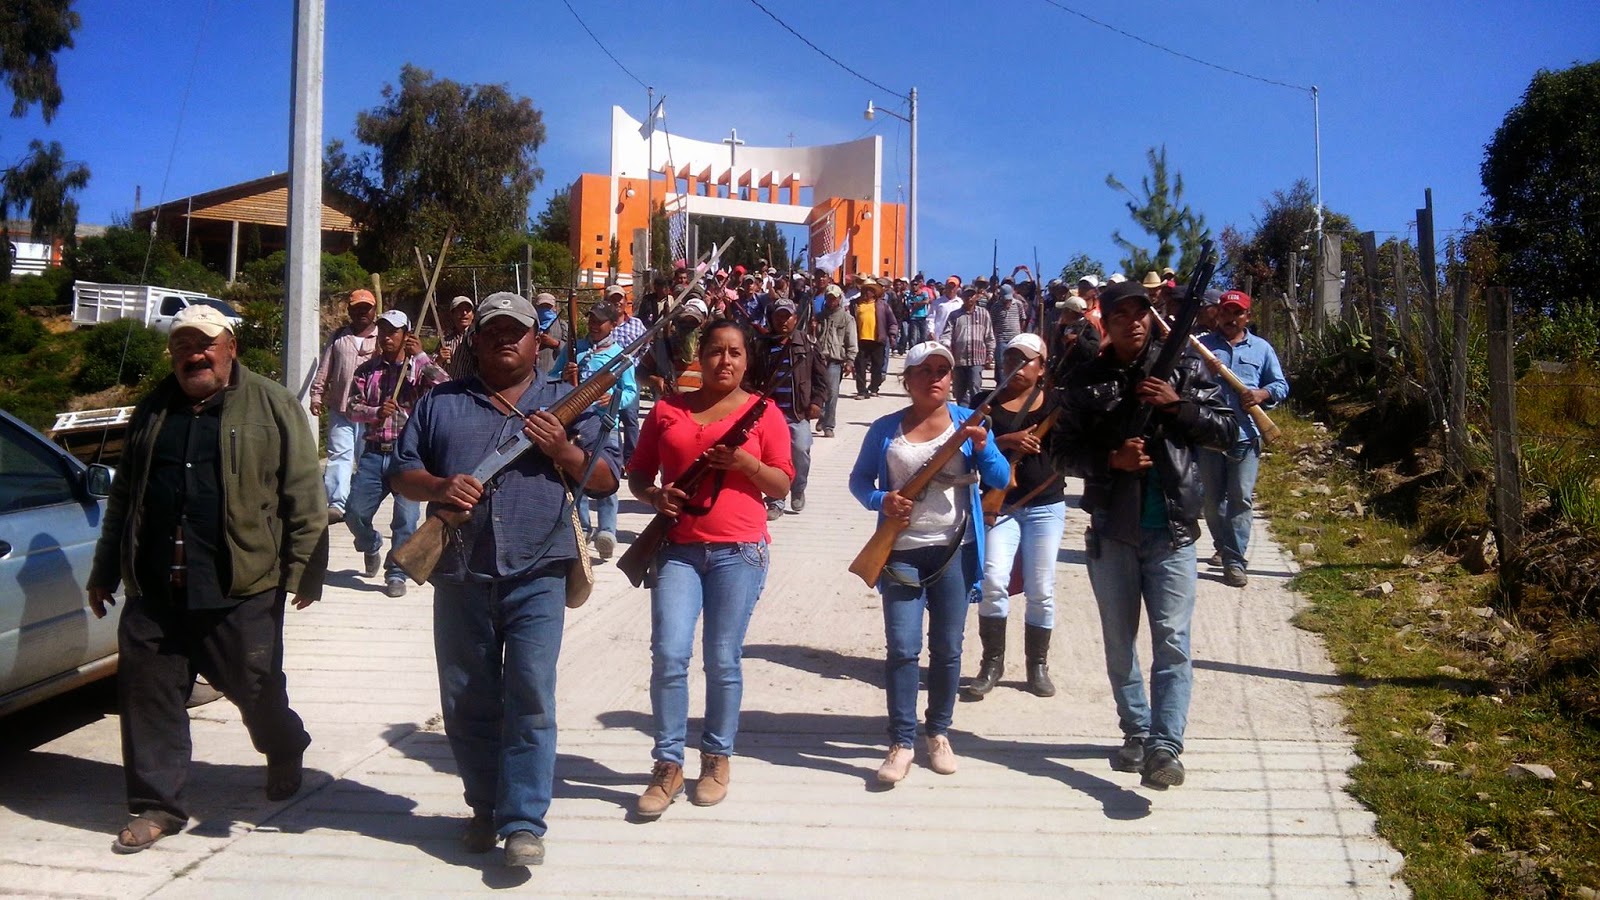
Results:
1035 809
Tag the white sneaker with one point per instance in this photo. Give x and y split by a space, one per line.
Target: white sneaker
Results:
941 758
605 543
897 764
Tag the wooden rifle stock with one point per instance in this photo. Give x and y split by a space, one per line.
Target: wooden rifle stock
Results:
1264 424
869 563
994 499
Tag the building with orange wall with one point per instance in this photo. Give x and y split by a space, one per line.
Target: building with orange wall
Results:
835 190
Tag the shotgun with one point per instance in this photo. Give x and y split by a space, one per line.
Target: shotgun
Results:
640 557
869 563
994 499
420 554
1264 424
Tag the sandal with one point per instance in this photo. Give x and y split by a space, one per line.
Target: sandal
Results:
138 835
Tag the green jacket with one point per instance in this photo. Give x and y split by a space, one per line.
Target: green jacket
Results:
274 505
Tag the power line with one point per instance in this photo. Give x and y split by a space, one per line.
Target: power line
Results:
625 70
1178 53
826 55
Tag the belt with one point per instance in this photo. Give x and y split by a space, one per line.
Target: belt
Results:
380 446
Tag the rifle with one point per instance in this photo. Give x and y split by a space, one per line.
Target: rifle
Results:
640 556
1264 424
869 563
994 267
994 499
420 554
1167 360
572 325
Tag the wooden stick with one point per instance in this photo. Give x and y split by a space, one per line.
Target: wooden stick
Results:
1264 424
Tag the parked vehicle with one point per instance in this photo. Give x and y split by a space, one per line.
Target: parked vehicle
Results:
148 304
51 507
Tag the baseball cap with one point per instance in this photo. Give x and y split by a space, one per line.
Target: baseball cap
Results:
1075 303
1091 280
1116 278
695 307
616 291
462 300
604 312
1120 292
1168 273
362 297
779 306
505 303
1212 297
1028 344
922 352
1236 298
544 299
738 270
835 291
208 320
395 319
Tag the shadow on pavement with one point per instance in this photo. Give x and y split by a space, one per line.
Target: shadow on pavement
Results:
1265 672
829 664
835 743
57 717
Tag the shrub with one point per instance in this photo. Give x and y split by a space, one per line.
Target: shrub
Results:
121 352
19 331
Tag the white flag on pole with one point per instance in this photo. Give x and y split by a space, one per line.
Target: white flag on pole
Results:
834 260
657 114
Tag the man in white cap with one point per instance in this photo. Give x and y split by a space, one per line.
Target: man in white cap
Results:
1076 340
349 347
385 390
455 353
837 345
629 329
553 334
216 517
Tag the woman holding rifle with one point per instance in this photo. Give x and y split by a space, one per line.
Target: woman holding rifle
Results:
715 558
937 558
1030 522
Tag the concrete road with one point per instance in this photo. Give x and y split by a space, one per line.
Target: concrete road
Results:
1035 809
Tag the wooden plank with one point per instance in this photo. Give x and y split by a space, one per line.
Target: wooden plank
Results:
1456 415
1377 316
1402 300
1503 427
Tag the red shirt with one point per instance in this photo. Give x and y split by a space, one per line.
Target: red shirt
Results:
671 439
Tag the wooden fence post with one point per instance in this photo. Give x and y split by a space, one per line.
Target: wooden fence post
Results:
1402 299
1432 348
1503 422
1376 318
1456 416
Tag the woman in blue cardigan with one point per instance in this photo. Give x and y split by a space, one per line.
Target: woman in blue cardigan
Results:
938 560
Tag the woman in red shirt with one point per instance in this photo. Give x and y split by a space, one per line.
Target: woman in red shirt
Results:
715 557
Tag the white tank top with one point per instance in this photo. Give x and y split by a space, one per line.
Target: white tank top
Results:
940 516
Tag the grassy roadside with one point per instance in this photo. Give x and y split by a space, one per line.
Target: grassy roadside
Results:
1441 717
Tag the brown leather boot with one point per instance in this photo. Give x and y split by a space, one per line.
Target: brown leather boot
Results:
712 785
666 783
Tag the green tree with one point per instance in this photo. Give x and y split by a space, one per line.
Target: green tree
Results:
1078 266
128 256
554 222
1541 173
442 154
40 187
1160 212
32 32
1287 225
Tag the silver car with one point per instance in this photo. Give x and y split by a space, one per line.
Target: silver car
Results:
50 510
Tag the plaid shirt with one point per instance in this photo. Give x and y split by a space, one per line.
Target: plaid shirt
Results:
375 382
630 329
970 336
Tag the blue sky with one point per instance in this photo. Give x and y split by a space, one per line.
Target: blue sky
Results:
1024 108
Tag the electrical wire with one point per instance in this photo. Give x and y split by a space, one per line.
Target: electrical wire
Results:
826 55
1178 53
592 36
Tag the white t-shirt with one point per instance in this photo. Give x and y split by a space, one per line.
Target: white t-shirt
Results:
940 516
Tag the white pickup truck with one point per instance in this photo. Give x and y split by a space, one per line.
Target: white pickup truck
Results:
147 304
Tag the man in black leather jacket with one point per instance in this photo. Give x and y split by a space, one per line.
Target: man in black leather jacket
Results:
1144 499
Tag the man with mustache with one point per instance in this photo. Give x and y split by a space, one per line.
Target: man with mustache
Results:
349 347
216 517
499 591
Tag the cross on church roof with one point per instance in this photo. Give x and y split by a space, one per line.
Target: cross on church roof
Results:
733 142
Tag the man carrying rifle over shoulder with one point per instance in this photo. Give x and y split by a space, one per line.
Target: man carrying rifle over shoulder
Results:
1143 496
500 586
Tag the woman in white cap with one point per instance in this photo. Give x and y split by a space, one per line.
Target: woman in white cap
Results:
1030 523
937 559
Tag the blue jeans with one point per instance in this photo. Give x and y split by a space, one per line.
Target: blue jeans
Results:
1160 579
724 580
496 644
606 505
1035 531
966 381
831 408
629 416
1230 483
916 331
370 486
800 450
343 437
946 599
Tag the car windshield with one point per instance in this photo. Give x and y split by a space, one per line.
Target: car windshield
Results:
222 307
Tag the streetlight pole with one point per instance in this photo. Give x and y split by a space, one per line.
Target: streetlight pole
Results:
911 211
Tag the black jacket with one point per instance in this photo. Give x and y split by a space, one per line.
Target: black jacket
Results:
1092 425
809 370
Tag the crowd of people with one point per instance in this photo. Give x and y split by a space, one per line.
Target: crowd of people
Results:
221 516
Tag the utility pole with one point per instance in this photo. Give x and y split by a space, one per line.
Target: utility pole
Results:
301 308
649 179
911 211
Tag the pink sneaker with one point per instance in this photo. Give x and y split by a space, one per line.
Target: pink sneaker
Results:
941 758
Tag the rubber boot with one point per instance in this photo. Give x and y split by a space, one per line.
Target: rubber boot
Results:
1036 640
992 632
